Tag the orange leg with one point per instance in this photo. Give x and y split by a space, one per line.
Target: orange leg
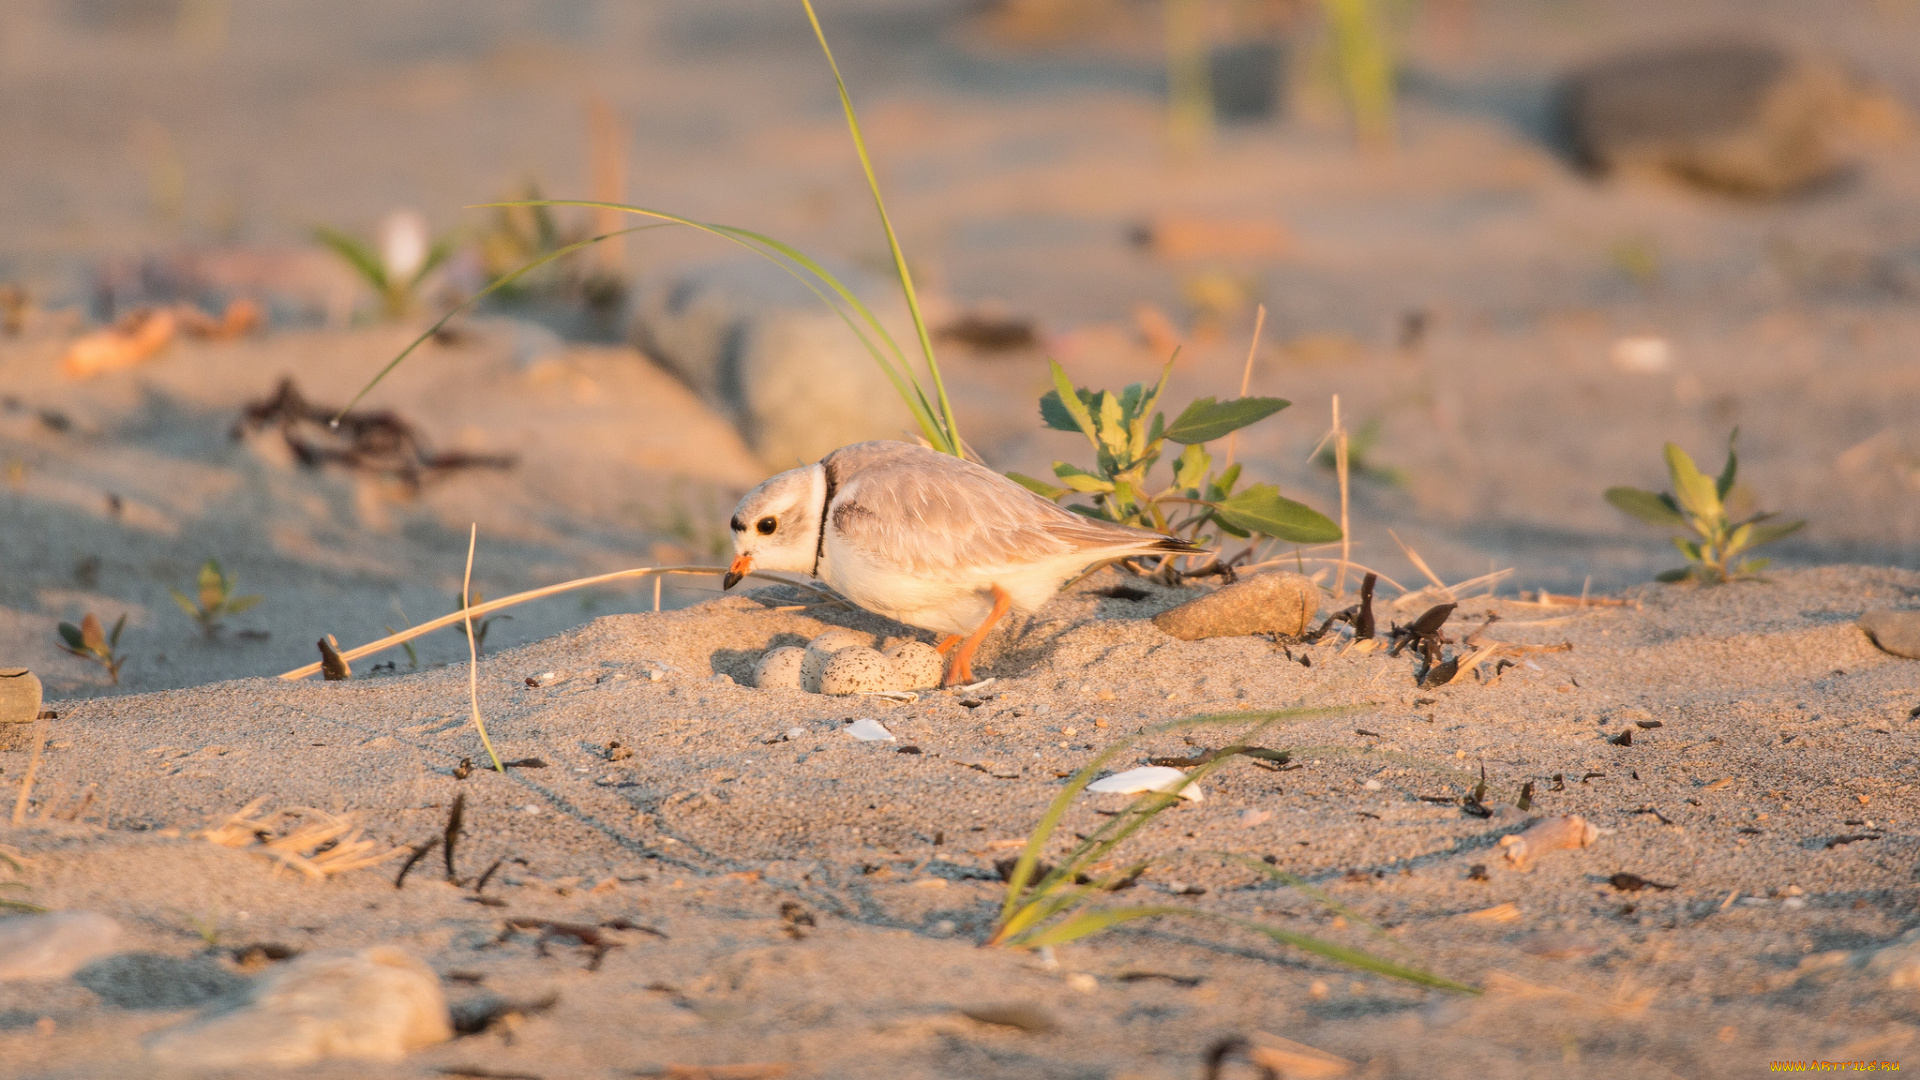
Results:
946 644
960 671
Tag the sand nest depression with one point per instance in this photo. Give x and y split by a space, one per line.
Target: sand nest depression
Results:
679 872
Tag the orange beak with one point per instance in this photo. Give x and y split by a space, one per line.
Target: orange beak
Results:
741 564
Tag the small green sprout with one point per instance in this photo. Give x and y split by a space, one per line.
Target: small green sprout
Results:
89 642
1358 462
480 626
1698 505
404 257
1128 437
215 602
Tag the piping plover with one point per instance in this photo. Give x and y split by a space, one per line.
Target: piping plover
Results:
925 538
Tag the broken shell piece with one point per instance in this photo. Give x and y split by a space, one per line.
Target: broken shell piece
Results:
1147 778
869 730
548 678
133 339
1552 834
858 670
920 665
779 669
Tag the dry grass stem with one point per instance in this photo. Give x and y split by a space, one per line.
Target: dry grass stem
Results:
324 845
1246 374
491 606
473 656
33 767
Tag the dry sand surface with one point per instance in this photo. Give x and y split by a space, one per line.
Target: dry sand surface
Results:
816 903
1769 783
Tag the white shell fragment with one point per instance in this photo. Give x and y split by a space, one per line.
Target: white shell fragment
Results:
1147 778
858 670
920 665
779 669
869 730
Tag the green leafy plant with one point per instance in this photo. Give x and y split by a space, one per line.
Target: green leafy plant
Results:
527 231
1715 536
89 642
12 860
1129 436
931 409
396 265
1359 445
1051 906
215 601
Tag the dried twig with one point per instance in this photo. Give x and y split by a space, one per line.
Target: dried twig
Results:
473 666
33 767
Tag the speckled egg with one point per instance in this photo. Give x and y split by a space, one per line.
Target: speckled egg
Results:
858 670
920 665
779 669
822 648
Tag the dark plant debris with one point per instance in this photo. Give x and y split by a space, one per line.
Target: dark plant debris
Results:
455 817
1849 838
376 442
419 852
1625 738
1626 882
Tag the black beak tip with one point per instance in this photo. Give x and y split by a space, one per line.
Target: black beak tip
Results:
733 578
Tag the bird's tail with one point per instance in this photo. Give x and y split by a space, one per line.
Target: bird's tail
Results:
1176 545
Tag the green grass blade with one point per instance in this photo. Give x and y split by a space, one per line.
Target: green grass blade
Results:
1092 922
950 425
775 251
1316 894
1348 956
498 284
356 255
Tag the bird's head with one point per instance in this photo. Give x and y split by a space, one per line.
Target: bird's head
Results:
777 525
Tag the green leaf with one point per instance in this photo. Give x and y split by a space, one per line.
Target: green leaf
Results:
1646 506
241 603
1671 576
1687 547
186 605
1055 415
1768 533
1223 487
1038 487
1695 492
1087 482
1262 509
1190 468
1206 420
71 635
357 255
1113 427
1725 483
113 639
1070 402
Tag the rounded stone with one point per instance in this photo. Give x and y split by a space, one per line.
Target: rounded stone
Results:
779 669
1278 601
19 696
822 648
919 665
858 670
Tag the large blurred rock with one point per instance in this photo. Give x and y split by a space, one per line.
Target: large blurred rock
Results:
789 373
1743 118
376 1004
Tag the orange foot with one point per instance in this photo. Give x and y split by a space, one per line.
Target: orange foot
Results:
946 644
960 671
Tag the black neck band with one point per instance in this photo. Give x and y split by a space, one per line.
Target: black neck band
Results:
820 546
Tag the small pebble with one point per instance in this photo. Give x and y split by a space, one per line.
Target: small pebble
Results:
858 670
779 669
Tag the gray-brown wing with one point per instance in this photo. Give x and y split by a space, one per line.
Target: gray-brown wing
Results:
928 511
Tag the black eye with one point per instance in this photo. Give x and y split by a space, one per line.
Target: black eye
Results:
766 525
